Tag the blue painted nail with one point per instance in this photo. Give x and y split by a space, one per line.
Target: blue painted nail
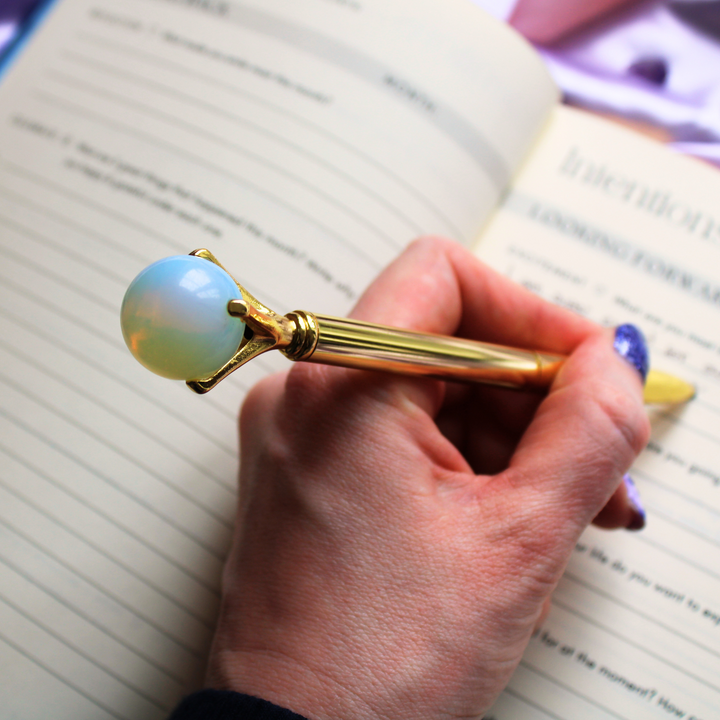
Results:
630 344
638 518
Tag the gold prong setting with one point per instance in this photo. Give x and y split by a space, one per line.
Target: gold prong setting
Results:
269 331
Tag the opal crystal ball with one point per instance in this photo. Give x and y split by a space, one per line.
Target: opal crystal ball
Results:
175 320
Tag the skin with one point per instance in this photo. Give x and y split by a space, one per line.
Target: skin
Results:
398 540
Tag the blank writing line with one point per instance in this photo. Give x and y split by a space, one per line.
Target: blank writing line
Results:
102 590
571 690
105 478
63 680
124 249
712 408
683 558
617 601
673 489
672 419
63 249
70 420
101 551
93 661
108 518
683 526
90 620
112 410
24 291
59 279
532 703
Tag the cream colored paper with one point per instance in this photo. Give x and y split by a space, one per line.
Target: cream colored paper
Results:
306 147
618 228
305 143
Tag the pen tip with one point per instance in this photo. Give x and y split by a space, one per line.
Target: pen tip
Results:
661 388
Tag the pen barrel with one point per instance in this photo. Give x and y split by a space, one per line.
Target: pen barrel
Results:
351 343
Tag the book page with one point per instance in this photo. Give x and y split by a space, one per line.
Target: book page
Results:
620 229
303 142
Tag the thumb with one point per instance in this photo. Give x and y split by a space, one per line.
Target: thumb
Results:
584 437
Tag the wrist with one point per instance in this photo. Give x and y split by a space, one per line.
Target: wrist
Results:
287 683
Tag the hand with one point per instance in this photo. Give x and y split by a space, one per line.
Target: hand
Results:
397 539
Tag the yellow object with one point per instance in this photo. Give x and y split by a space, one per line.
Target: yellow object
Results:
663 388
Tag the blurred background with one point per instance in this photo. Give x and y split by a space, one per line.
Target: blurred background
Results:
654 64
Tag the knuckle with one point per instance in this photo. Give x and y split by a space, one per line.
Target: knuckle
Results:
626 418
529 534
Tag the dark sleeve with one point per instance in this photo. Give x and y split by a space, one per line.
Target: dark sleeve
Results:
226 705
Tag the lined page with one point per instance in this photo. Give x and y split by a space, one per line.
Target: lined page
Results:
305 143
619 229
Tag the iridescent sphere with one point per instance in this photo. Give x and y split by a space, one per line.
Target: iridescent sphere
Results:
175 321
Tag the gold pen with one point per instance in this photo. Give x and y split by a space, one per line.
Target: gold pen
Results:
218 332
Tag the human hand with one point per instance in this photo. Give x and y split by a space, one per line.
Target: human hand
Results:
397 539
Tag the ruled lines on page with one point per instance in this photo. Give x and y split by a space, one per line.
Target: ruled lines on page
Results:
340 170
134 133
113 535
617 229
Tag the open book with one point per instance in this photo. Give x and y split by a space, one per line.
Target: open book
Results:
305 142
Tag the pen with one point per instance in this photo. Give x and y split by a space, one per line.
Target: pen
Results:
187 318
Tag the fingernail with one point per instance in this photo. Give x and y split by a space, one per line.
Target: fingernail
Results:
630 344
638 517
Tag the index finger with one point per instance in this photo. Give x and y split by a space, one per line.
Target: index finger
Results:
593 423
437 286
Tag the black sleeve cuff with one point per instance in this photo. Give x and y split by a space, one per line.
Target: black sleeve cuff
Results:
226 705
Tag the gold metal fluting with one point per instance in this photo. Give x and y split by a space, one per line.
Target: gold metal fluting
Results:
303 336
351 343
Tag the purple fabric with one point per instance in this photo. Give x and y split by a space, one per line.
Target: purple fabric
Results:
651 63
658 62
16 9
12 13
